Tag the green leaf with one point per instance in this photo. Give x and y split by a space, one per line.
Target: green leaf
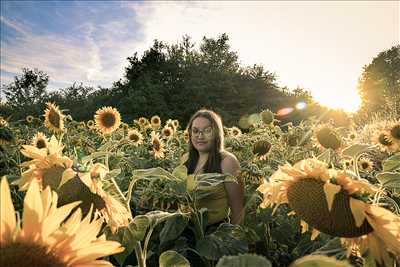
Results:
355 150
325 156
392 163
158 216
94 155
172 258
244 260
173 228
138 227
180 172
389 179
319 261
227 239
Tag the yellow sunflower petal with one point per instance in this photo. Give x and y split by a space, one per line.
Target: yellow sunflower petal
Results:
330 191
386 225
315 233
357 207
33 211
304 226
67 175
7 213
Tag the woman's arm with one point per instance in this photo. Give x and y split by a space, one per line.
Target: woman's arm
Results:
230 165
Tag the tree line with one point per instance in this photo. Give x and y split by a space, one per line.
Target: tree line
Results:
174 80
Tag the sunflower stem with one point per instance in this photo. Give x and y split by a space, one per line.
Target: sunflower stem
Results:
139 255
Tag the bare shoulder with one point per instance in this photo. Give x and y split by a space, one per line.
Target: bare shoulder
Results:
229 163
184 157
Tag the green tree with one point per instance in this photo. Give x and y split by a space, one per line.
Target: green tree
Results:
379 85
27 93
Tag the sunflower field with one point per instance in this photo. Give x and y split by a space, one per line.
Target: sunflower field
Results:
105 192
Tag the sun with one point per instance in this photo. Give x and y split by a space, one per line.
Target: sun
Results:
346 99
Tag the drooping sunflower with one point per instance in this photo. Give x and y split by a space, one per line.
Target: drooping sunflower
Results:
383 139
53 118
335 203
267 116
395 132
107 120
365 164
47 238
261 149
155 122
40 140
326 137
235 132
135 137
29 119
167 132
170 123
157 145
48 165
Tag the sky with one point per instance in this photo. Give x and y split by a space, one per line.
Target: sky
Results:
320 46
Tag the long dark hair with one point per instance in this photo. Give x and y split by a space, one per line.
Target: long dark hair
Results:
213 163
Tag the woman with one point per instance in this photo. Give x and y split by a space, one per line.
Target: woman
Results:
207 155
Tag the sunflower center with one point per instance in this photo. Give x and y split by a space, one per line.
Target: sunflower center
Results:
261 148
328 138
384 140
28 255
364 165
395 132
54 118
167 132
156 145
307 198
40 143
134 137
108 120
52 176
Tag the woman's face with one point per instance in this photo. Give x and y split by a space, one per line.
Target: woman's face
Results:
202 134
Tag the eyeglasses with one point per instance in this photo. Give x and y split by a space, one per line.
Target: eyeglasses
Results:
207 132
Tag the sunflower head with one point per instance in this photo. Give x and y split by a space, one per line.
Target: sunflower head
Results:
142 121
186 135
175 123
167 132
235 131
365 164
90 124
267 116
155 122
352 135
384 140
54 118
3 122
125 126
40 140
347 163
327 138
135 137
170 123
29 119
395 132
244 122
107 120
261 149
157 145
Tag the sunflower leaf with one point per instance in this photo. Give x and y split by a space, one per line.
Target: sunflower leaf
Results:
355 150
319 261
389 179
392 163
172 258
243 260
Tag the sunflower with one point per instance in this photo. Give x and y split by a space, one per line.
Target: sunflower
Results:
135 137
383 139
29 119
347 163
47 238
40 140
267 116
54 118
395 132
3 122
142 122
48 165
157 145
176 124
244 122
90 124
92 192
334 203
155 122
352 136
261 149
107 120
167 132
365 164
235 132
186 135
326 137
170 123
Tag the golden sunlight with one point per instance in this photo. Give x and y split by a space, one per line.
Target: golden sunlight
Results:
346 99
